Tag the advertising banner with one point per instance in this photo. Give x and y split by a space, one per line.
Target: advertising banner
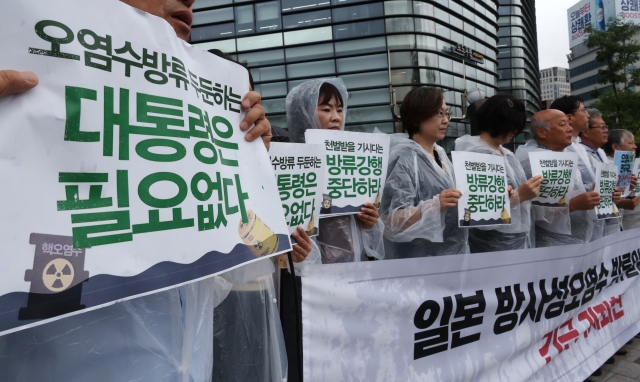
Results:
606 179
356 169
557 170
482 179
627 10
579 17
545 314
624 160
128 171
299 173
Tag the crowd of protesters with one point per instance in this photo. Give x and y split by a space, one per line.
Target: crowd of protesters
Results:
229 328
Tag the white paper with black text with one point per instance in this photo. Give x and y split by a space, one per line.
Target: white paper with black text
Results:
356 169
558 176
482 179
299 172
605 185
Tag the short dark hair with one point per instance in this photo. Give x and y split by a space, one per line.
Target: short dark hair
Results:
228 57
418 105
501 115
567 104
328 91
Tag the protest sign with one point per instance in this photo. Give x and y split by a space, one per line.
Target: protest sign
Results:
606 178
299 173
544 314
636 172
557 170
624 160
482 179
129 172
356 169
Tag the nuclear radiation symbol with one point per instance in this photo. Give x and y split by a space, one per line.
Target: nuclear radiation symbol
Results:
58 275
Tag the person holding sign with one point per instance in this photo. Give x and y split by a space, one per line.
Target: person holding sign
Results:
578 119
319 104
501 118
419 198
573 222
623 140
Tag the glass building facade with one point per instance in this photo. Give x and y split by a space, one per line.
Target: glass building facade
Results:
518 68
286 42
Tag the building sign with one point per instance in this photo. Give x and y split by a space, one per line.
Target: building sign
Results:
580 16
467 52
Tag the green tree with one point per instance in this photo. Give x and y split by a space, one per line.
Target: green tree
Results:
618 48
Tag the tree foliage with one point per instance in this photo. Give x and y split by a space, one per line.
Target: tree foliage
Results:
617 48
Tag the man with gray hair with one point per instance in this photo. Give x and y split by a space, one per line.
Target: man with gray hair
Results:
572 224
623 140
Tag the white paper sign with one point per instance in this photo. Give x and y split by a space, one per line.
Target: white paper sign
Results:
624 160
606 179
558 172
299 171
482 179
129 173
636 172
356 169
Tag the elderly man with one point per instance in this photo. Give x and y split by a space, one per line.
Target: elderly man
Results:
554 226
592 139
623 140
166 336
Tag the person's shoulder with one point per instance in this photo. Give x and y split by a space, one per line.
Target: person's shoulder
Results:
279 134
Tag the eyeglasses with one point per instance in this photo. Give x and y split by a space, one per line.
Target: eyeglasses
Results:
582 110
444 114
605 127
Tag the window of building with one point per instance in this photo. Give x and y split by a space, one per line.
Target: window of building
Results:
365 28
307 36
360 46
268 16
306 19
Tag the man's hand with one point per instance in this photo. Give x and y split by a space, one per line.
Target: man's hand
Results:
629 204
617 195
634 182
255 116
530 189
13 82
369 216
449 198
584 202
301 250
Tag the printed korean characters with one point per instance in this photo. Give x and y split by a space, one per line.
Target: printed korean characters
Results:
120 150
482 180
299 171
636 171
606 179
558 171
624 160
356 169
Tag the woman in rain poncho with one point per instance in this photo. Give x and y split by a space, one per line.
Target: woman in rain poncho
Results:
420 190
320 104
501 118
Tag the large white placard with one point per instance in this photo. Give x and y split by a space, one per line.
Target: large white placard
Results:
356 169
546 314
128 172
482 179
558 176
299 170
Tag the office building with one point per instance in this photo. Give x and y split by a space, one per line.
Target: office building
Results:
554 83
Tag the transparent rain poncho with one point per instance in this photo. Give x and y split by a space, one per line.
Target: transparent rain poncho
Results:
410 206
554 226
226 327
341 239
504 237
587 168
166 336
630 219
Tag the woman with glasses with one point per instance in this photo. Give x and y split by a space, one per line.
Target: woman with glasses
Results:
500 118
419 198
